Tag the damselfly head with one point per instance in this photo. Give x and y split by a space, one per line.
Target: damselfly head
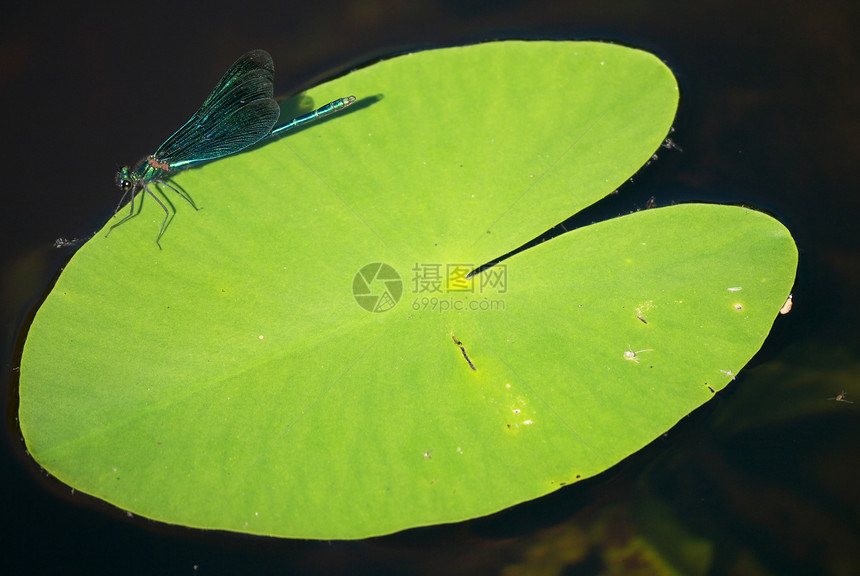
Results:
123 179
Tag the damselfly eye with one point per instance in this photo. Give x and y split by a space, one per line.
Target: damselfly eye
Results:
123 183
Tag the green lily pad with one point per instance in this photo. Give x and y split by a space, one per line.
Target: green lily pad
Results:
306 358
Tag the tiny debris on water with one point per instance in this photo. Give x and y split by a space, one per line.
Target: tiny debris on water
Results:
68 242
669 144
841 397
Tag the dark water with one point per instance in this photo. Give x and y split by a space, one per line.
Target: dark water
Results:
762 480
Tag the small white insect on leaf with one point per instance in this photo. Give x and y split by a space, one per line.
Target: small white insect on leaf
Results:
630 354
786 308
